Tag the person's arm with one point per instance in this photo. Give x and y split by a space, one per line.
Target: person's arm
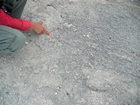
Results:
13 22
21 24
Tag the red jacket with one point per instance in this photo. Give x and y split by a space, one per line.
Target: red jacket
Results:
19 24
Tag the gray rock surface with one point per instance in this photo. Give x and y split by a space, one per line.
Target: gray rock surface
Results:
91 58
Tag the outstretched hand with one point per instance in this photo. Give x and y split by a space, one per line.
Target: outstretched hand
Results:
38 28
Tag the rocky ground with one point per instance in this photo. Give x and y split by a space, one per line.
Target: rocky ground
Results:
91 58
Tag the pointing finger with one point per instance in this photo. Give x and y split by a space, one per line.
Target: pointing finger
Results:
47 32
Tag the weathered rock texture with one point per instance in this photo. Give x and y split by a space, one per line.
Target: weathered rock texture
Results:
91 58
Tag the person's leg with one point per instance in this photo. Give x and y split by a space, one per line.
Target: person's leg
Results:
11 40
18 7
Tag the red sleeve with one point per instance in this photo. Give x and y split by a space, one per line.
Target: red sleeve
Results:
13 22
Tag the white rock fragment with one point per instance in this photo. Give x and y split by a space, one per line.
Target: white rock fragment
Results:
69 25
58 87
88 36
26 43
88 77
53 70
74 29
101 103
67 71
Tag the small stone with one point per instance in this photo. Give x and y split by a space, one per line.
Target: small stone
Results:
67 71
88 76
88 36
75 30
101 103
26 43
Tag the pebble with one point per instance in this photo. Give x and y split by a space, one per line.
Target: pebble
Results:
26 43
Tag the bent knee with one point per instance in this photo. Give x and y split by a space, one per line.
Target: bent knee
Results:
11 40
17 42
